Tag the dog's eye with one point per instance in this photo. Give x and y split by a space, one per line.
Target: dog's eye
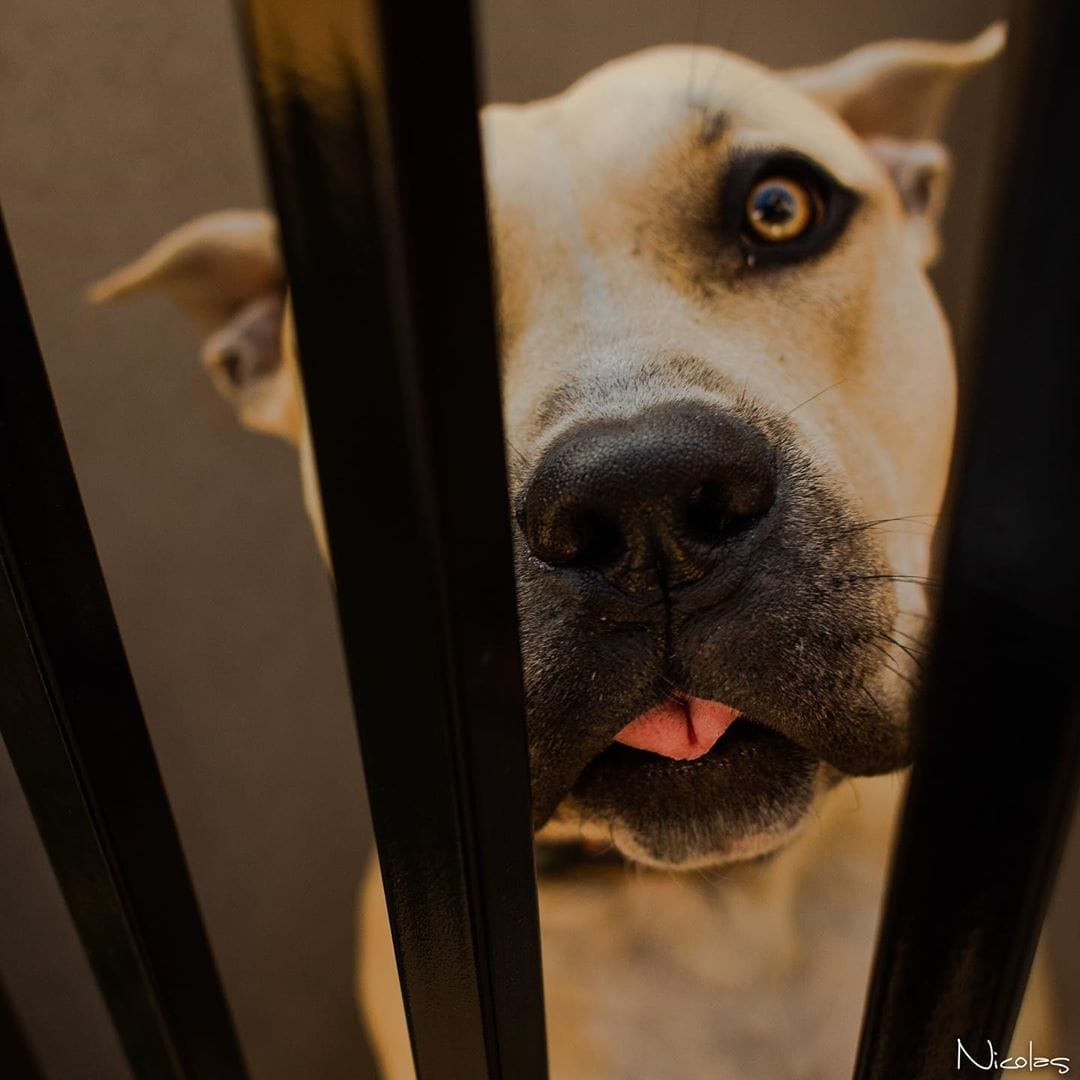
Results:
780 208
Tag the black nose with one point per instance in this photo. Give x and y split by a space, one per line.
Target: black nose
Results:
652 501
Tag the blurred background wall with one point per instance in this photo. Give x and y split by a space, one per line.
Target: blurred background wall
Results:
119 119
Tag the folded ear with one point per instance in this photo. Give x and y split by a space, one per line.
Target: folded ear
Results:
225 271
895 95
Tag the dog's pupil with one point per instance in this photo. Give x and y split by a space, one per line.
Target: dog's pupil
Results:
775 205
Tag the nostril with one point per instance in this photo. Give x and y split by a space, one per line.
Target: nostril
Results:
708 512
600 541
752 496
716 510
575 537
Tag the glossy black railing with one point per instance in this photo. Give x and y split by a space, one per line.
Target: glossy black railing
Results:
995 780
71 722
369 119
16 1054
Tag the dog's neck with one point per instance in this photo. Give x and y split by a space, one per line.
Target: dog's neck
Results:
743 923
630 951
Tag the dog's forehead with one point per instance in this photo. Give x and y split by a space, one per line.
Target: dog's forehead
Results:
617 121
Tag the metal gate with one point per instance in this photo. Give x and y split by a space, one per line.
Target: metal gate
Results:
377 264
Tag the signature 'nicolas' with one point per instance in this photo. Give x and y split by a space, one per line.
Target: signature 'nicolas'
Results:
988 1060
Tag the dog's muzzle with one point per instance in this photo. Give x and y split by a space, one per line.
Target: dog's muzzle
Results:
699 612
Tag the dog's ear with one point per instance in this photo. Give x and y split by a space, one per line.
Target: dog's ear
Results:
226 272
895 96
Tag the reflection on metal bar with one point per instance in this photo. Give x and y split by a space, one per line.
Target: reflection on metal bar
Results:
996 775
368 112
17 1059
72 724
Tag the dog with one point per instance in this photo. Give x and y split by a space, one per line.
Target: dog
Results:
729 401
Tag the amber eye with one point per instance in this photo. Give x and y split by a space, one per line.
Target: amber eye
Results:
780 209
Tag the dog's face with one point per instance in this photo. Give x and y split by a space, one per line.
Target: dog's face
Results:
728 395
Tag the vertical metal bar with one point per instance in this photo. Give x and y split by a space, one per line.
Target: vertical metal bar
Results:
369 117
17 1061
74 729
999 735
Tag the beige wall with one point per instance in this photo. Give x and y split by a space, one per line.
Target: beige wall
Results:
119 119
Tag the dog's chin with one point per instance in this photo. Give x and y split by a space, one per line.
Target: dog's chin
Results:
749 796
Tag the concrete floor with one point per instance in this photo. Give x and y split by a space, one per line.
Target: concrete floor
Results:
120 119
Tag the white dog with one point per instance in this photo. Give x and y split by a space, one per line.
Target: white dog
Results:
729 389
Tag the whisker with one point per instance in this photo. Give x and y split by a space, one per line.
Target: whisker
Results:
888 665
874 701
918 519
912 578
904 648
814 397
706 94
905 532
524 460
900 675
669 682
706 112
726 41
854 792
699 15
913 614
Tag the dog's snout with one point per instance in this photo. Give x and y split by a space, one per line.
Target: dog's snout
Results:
652 501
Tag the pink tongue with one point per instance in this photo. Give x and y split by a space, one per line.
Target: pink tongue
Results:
682 730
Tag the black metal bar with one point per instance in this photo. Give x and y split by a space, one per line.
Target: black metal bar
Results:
369 117
73 726
999 735
17 1060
